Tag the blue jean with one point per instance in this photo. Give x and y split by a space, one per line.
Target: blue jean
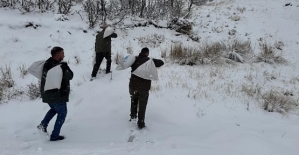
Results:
61 110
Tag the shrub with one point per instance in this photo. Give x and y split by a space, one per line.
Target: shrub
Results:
23 70
33 91
274 101
270 55
6 80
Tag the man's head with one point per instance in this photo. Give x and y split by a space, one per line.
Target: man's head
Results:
57 53
145 51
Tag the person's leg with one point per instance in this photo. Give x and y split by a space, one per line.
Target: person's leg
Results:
142 98
108 65
48 117
61 110
134 103
99 59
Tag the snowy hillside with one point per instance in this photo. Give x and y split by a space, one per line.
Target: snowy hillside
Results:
208 109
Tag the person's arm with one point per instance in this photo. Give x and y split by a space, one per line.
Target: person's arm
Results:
67 72
113 35
158 62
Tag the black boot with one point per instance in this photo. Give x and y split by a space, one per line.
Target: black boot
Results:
57 138
141 124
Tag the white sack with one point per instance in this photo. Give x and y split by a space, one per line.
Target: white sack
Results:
54 78
147 70
36 69
108 31
126 62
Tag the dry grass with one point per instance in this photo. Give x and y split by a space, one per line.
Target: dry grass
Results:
217 53
118 58
6 80
152 41
33 90
176 51
23 70
214 50
129 49
235 18
241 9
274 101
253 91
270 55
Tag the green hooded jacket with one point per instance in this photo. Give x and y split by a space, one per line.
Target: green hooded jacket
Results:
103 44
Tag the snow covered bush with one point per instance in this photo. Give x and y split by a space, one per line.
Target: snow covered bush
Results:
240 51
91 7
176 51
180 25
14 93
23 70
61 17
8 3
253 91
274 101
33 91
64 6
213 50
1 94
6 80
27 6
241 9
270 55
152 40
216 53
235 18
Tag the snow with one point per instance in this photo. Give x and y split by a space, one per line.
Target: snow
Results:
191 110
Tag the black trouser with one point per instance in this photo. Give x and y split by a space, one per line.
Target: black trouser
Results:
99 58
139 98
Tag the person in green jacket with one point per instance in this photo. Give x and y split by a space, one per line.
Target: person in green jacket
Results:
103 50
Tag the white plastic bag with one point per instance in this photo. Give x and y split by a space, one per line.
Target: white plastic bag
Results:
36 69
126 62
147 70
54 78
108 31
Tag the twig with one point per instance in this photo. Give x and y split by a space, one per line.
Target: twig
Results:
80 15
283 134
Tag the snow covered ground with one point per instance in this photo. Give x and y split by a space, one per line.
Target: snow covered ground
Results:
191 110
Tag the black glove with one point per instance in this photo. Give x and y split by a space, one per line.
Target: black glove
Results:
64 66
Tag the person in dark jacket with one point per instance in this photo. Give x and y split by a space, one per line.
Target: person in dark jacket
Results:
139 88
56 98
103 50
